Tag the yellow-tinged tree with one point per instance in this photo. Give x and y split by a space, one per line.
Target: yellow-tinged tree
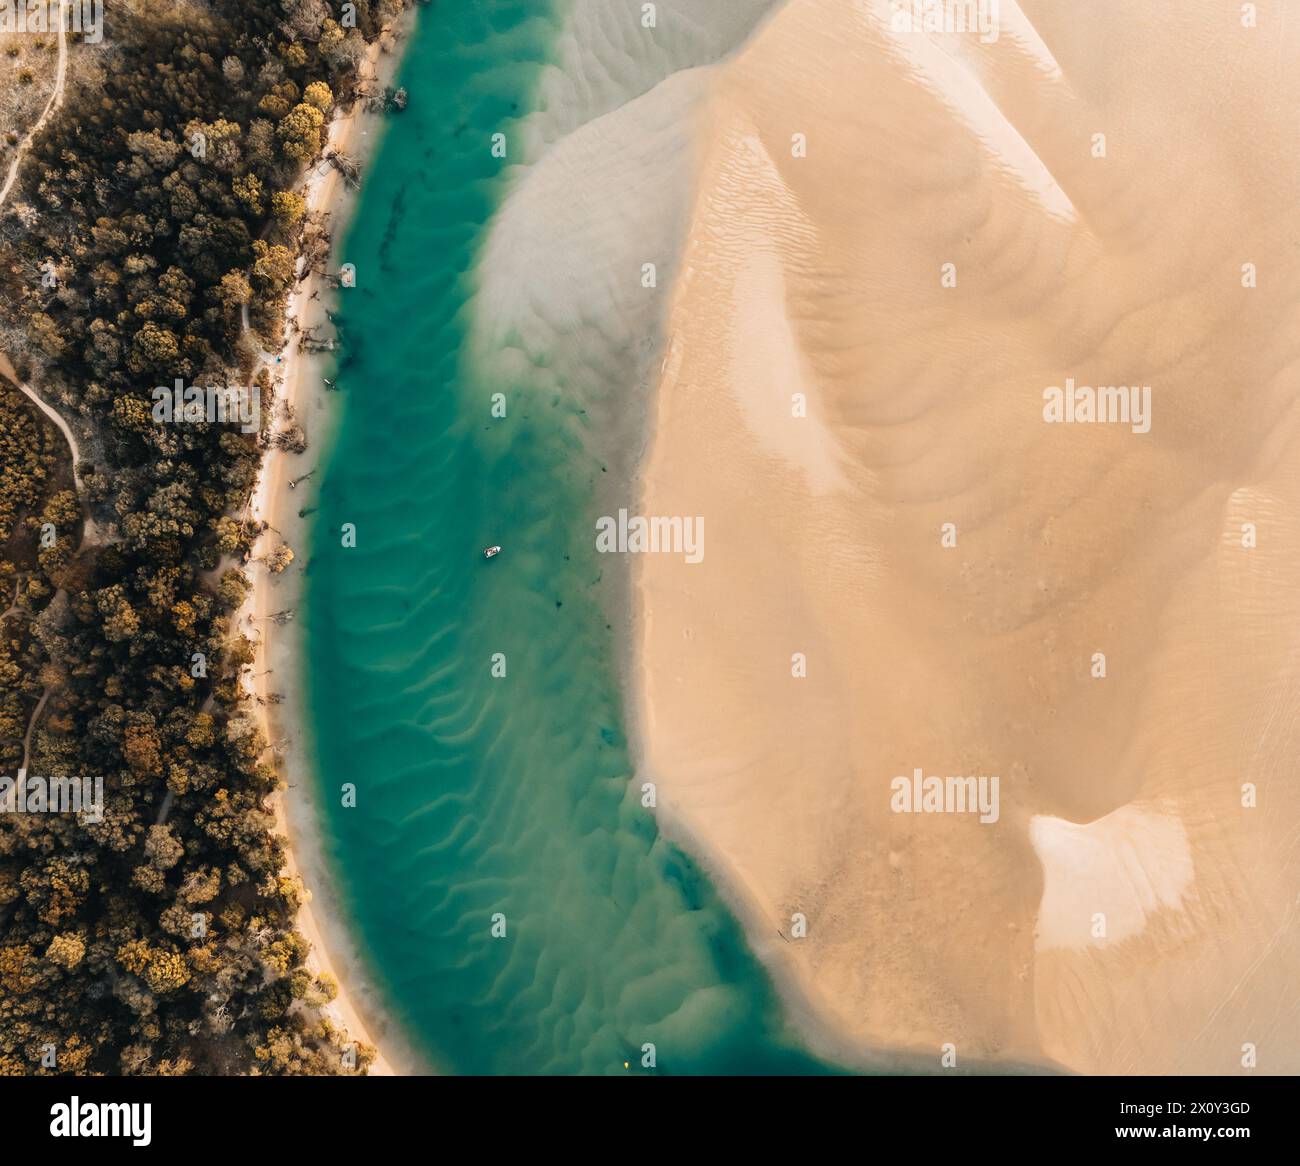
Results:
299 131
319 95
273 265
288 207
67 950
166 971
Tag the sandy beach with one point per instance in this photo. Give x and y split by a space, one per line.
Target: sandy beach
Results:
898 242
299 376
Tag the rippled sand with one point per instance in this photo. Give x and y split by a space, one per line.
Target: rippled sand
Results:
1126 913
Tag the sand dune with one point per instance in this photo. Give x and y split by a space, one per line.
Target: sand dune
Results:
827 404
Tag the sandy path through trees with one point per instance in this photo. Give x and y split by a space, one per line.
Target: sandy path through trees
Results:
56 99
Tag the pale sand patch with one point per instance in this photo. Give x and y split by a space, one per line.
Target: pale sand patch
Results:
1103 879
821 274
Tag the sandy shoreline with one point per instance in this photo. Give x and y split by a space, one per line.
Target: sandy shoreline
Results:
299 376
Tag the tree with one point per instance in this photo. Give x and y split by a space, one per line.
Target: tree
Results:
142 750
233 291
120 620
279 559
287 206
166 971
67 950
273 265
248 192
45 335
319 95
154 349
163 849
299 131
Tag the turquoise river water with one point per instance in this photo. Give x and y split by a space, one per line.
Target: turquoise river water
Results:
482 796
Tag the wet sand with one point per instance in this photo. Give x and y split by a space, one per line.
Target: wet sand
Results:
827 405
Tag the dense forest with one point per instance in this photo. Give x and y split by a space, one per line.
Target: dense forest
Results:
155 207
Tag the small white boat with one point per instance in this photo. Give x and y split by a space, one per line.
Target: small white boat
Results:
489 552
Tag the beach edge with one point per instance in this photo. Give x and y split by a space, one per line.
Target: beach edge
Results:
357 1009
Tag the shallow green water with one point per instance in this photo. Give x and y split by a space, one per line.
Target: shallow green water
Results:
476 794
